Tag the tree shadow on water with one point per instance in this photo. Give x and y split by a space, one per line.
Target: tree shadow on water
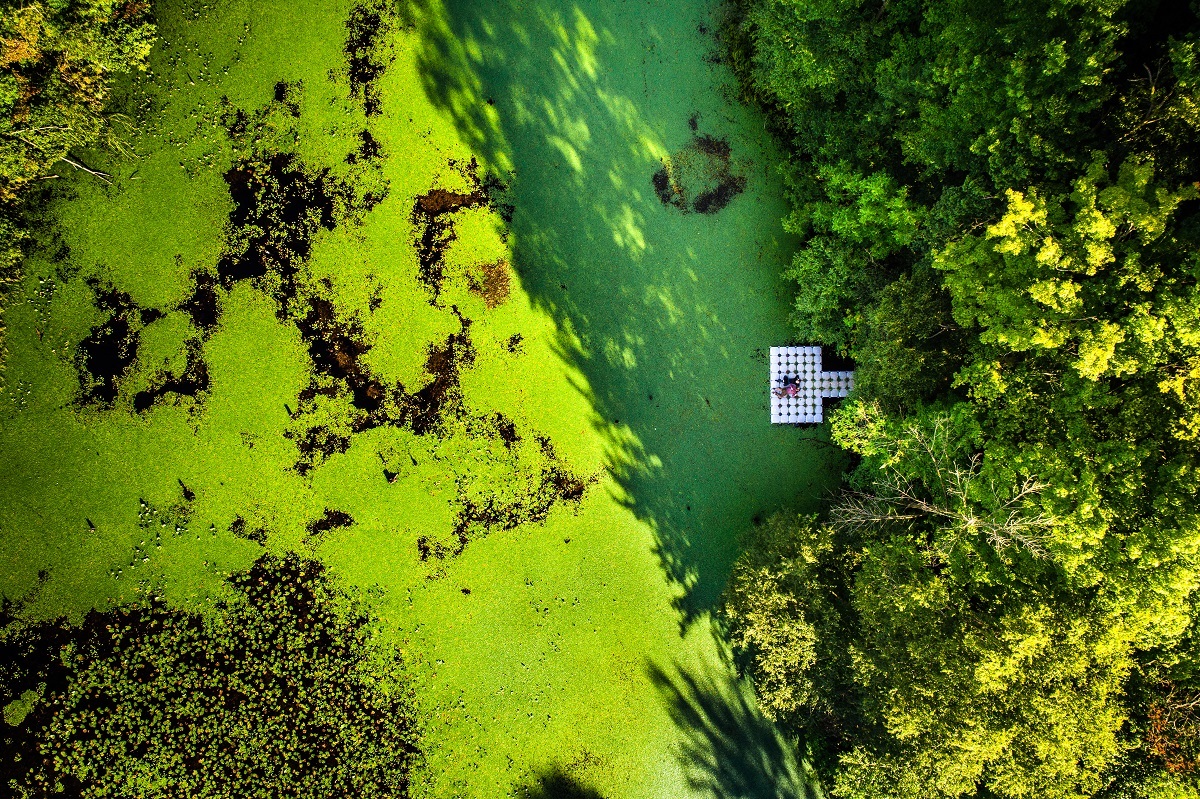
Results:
730 750
558 784
667 314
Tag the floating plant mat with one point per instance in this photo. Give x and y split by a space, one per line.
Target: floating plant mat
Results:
396 291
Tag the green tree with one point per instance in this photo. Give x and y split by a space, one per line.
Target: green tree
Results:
998 210
57 62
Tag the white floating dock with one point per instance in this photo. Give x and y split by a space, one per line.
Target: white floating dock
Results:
815 384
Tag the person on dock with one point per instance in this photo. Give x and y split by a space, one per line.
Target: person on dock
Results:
790 386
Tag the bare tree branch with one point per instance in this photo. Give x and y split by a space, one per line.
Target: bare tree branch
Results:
107 178
959 499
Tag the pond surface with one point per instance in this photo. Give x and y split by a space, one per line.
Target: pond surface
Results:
473 304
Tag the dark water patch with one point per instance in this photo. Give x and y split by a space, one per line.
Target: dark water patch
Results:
235 120
288 95
515 343
834 361
667 193
487 511
436 202
424 409
278 207
497 192
316 444
150 315
109 350
366 30
280 203
506 429
203 304
188 494
718 197
368 149
331 520
193 382
370 184
700 177
336 347
717 148
239 528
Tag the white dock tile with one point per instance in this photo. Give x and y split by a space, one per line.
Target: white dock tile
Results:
815 383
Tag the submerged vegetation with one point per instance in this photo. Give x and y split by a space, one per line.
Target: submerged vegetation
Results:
281 694
1000 220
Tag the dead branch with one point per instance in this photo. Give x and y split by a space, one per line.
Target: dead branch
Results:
107 178
959 500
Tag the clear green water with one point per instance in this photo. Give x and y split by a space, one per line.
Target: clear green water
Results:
583 660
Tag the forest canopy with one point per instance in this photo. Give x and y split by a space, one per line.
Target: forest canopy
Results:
58 60
999 210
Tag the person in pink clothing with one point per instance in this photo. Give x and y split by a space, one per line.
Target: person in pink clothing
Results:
790 387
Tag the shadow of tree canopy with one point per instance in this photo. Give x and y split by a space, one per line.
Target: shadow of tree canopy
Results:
730 750
668 315
558 784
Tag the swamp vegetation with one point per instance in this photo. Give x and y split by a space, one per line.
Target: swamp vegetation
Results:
383 400
389 288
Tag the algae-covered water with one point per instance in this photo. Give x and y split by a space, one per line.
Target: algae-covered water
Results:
470 301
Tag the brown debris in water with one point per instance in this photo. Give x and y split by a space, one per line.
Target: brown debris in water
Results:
432 215
491 282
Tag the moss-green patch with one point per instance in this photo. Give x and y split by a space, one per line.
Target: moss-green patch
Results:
16 710
541 491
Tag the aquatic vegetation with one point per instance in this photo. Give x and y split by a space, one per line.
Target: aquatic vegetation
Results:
327 309
278 693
